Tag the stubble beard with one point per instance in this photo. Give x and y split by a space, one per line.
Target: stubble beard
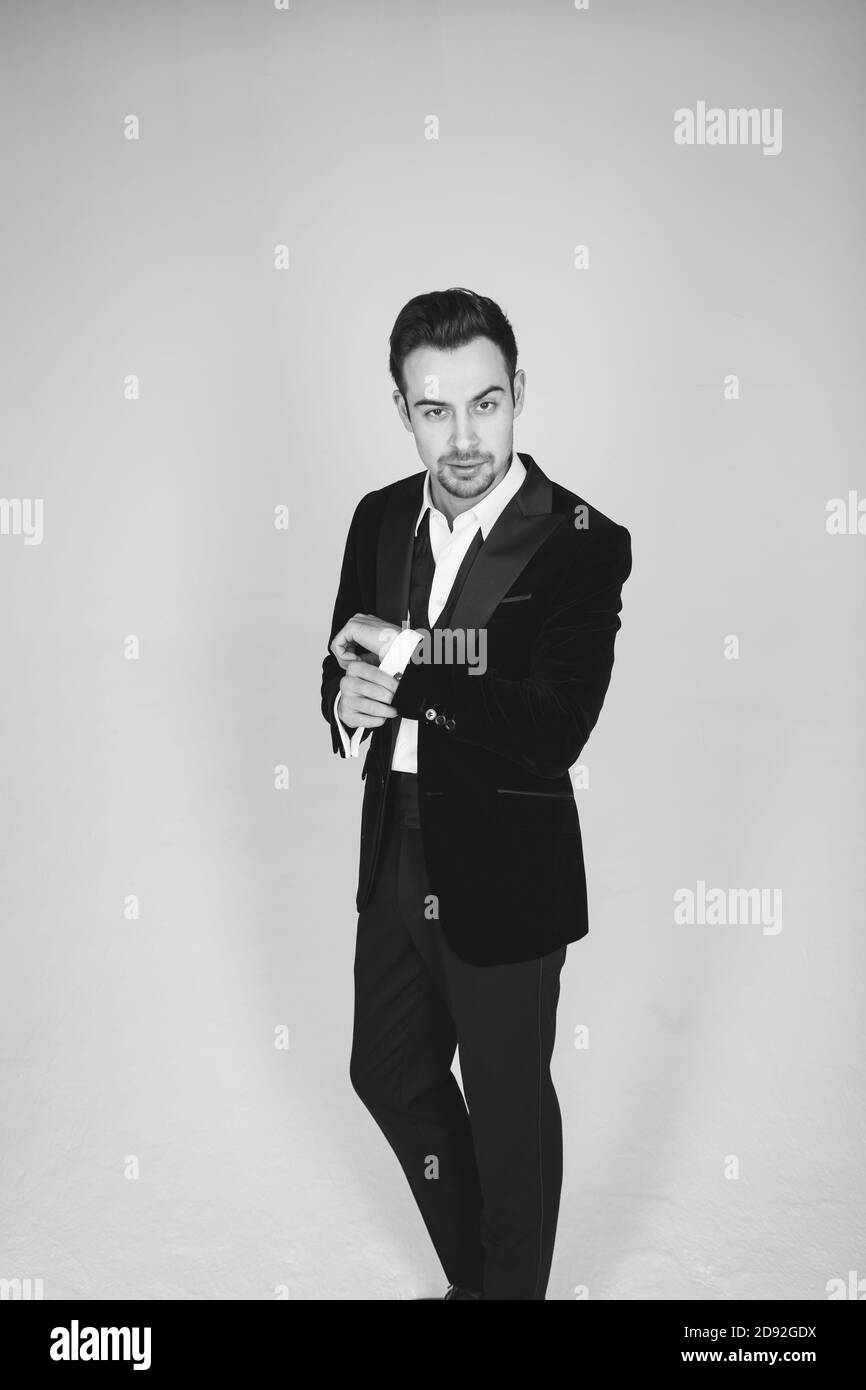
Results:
472 485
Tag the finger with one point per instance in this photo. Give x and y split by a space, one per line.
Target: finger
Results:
366 698
342 647
372 636
356 686
363 704
365 671
349 637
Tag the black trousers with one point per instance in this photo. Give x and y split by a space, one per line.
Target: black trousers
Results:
487 1180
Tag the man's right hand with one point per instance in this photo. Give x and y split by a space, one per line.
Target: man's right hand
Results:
365 696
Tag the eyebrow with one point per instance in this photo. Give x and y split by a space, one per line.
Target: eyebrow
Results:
481 394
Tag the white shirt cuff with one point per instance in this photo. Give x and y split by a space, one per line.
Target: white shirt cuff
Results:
351 745
400 651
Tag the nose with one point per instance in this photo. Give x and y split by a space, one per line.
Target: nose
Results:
464 437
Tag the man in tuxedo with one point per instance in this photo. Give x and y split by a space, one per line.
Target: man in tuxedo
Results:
472 643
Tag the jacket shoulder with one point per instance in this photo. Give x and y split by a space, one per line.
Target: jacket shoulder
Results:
373 504
589 524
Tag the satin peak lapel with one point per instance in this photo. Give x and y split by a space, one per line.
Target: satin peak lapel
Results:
522 527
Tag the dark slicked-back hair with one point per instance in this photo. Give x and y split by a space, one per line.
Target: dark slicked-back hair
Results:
450 319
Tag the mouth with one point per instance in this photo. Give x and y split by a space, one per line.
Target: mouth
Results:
464 467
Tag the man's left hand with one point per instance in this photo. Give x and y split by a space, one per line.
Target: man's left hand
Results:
361 635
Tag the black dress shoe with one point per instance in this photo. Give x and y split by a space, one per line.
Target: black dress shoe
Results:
455 1291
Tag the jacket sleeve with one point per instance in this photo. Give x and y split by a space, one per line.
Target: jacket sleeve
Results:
544 720
349 601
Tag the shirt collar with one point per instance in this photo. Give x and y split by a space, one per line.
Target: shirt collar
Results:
490 507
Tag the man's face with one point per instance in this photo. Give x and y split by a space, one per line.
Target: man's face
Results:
458 406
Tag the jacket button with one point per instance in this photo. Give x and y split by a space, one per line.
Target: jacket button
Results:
440 719
450 723
430 714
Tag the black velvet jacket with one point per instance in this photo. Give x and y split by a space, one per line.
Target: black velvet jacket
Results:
499 822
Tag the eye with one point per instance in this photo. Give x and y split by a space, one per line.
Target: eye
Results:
492 405
435 411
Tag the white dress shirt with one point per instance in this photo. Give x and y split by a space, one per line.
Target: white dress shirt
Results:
449 548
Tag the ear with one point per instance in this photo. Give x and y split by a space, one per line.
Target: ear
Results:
402 409
519 391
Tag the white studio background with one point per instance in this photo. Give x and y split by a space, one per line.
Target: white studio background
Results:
166 385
